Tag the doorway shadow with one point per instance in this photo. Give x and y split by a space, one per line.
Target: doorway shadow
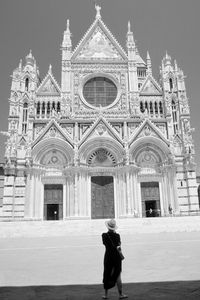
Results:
174 290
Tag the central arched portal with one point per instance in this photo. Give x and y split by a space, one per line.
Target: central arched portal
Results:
102 187
102 197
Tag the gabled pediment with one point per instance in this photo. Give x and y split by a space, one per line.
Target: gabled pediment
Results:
98 44
22 141
150 87
48 86
101 128
177 140
53 130
147 129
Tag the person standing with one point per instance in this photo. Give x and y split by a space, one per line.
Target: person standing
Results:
112 260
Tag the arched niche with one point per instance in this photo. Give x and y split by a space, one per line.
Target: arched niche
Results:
53 152
105 149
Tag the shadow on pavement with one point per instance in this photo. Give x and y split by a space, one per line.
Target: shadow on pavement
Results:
174 290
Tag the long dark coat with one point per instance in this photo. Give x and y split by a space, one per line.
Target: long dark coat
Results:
112 260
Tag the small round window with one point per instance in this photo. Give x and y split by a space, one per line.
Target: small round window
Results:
99 91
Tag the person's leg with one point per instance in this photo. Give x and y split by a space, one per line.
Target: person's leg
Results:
119 284
119 287
105 295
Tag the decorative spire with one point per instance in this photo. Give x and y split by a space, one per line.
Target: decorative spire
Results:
130 43
149 70
30 59
67 30
50 69
20 64
175 66
167 60
98 9
129 27
67 37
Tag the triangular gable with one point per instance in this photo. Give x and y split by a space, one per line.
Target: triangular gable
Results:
150 87
22 142
53 130
48 86
101 128
146 129
177 139
99 44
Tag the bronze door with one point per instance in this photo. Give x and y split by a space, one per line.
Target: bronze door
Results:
102 194
53 201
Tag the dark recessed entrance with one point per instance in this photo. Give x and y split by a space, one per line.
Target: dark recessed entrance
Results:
53 201
102 197
150 199
52 211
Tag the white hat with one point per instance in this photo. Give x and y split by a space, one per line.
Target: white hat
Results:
111 224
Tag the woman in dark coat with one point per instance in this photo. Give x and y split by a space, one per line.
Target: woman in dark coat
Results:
112 260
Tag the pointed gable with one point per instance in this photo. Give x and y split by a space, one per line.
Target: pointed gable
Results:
99 44
150 87
48 86
146 129
101 128
53 130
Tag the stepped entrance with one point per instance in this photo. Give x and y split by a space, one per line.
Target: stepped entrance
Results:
102 197
150 199
53 202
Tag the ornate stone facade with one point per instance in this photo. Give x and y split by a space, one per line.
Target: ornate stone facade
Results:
110 141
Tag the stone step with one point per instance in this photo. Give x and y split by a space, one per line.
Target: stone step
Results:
95 227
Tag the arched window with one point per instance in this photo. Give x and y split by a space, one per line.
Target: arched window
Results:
26 84
156 108
151 108
48 109
53 106
146 106
142 107
38 109
174 116
161 108
170 84
25 118
43 109
199 194
58 107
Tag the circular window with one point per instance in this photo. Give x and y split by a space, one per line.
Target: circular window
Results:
100 91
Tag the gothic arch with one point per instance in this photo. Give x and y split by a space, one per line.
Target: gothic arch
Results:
113 149
52 150
153 144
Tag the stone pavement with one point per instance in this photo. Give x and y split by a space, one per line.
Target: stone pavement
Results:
178 290
156 266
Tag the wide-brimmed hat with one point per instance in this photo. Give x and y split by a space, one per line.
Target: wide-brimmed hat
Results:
111 224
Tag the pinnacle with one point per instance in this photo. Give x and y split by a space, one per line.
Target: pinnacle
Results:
98 9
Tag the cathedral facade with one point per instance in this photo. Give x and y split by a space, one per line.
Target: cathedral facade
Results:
110 141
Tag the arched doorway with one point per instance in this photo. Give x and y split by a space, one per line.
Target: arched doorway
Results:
102 185
53 202
150 195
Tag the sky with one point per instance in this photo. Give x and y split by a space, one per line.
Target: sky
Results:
158 26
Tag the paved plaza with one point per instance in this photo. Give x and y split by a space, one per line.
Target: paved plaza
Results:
157 266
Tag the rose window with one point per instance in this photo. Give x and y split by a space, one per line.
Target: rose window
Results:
100 92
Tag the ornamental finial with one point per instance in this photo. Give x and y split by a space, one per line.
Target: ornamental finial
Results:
129 26
50 69
68 25
98 9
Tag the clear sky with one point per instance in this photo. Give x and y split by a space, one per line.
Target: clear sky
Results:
158 25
